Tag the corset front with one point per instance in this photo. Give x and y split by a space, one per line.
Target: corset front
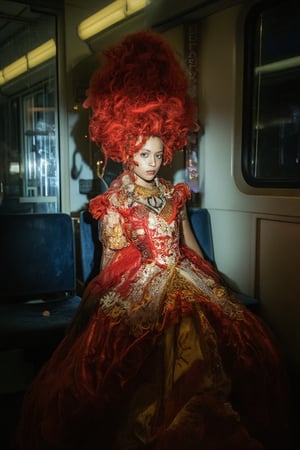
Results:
155 237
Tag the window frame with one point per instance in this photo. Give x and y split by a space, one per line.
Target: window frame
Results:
249 102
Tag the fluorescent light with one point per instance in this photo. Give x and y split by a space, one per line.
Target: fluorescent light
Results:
103 19
2 80
15 69
108 16
32 59
135 5
41 53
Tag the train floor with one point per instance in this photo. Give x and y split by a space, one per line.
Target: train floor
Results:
12 392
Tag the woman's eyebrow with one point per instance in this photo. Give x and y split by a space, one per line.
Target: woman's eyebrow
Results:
153 151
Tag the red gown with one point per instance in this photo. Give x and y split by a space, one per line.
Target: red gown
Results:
161 355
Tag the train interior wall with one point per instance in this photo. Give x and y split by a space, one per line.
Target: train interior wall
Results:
256 232
241 216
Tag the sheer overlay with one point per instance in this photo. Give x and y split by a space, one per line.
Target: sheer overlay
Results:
161 355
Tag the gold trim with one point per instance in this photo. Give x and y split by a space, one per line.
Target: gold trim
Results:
145 192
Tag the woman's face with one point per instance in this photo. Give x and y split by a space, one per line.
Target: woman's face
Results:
147 160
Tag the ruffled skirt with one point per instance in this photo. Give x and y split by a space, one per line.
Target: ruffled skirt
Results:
198 372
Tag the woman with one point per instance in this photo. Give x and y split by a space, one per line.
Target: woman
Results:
160 355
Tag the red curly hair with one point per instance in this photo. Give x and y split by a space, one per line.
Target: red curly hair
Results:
141 90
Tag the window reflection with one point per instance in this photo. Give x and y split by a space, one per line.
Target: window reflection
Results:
271 138
29 152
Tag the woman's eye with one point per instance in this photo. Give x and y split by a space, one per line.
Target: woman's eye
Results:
146 155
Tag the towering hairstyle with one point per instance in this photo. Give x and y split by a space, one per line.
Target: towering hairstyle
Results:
140 90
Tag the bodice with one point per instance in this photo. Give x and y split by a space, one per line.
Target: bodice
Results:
148 220
156 238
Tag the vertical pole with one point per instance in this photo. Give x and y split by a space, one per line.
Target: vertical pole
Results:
192 150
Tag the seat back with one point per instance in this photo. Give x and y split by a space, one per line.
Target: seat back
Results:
37 253
201 226
90 246
37 280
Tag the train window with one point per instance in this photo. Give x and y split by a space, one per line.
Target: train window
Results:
271 118
29 140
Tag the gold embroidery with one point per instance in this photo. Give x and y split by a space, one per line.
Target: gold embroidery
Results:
220 291
145 192
112 231
153 197
156 202
115 238
167 211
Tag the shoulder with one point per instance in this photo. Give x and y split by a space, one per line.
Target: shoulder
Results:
182 189
114 197
180 192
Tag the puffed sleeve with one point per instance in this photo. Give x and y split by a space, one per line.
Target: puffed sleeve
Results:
112 230
181 194
99 205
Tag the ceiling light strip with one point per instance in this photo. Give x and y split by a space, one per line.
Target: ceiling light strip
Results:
31 59
108 16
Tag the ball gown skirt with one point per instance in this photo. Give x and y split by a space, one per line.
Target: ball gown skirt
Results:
167 358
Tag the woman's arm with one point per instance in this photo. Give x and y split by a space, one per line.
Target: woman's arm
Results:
106 257
188 235
111 236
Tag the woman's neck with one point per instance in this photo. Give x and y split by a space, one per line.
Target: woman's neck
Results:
144 183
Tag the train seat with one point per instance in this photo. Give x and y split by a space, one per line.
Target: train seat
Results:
90 246
37 279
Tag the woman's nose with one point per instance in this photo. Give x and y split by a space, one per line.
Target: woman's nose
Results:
152 161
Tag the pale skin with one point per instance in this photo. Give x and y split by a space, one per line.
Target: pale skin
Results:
147 162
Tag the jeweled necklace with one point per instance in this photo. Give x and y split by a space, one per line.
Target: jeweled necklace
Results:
153 196
145 191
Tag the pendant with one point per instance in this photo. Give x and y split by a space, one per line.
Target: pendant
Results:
156 203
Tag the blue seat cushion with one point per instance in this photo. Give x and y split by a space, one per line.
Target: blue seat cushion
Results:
35 324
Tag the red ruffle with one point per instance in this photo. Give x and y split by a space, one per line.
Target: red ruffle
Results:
98 206
126 262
